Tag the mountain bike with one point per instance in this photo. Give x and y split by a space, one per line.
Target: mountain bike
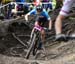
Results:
35 41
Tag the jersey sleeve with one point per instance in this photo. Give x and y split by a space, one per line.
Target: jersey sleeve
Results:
47 15
32 12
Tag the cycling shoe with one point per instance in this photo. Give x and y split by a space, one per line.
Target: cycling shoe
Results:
60 37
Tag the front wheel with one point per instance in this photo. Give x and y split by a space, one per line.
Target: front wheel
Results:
31 45
37 45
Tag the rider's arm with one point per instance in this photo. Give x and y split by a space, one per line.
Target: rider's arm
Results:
31 12
26 16
49 19
62 14
50 24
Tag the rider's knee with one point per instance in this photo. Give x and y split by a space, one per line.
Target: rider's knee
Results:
43 32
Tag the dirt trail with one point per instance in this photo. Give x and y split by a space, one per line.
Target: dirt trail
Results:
56 52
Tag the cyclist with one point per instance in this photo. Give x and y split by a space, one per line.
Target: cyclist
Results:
63 13
40 21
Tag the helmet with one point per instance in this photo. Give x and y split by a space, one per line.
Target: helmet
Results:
39 8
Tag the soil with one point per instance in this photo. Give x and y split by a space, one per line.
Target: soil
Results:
13 46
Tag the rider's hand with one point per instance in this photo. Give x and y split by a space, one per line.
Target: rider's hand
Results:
47 29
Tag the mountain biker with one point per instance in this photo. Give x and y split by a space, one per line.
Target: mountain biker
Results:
63 13
40 21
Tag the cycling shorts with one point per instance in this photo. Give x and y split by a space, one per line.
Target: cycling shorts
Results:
66 7
43 21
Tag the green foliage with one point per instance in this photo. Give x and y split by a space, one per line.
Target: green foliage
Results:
6 1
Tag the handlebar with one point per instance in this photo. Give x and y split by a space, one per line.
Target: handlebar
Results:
39 28
46 29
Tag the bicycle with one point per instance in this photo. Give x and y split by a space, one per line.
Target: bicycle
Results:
35 41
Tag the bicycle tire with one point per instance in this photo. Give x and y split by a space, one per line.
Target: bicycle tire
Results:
36 45
35 48
31 46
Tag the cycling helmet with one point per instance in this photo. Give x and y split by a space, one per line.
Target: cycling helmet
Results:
39 8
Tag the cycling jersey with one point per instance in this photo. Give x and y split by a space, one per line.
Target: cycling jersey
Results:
66 7
43 13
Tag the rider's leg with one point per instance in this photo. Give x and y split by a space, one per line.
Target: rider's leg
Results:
43 35
58 27
58 24
42 40
63 13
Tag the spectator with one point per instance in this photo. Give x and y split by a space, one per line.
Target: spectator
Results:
48 5
20 7
64 12
36 2
9 11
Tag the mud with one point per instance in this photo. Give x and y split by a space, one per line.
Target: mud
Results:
13 45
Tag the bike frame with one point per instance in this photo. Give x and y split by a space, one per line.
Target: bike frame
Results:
35 37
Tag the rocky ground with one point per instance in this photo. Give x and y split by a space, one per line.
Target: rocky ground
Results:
13 46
